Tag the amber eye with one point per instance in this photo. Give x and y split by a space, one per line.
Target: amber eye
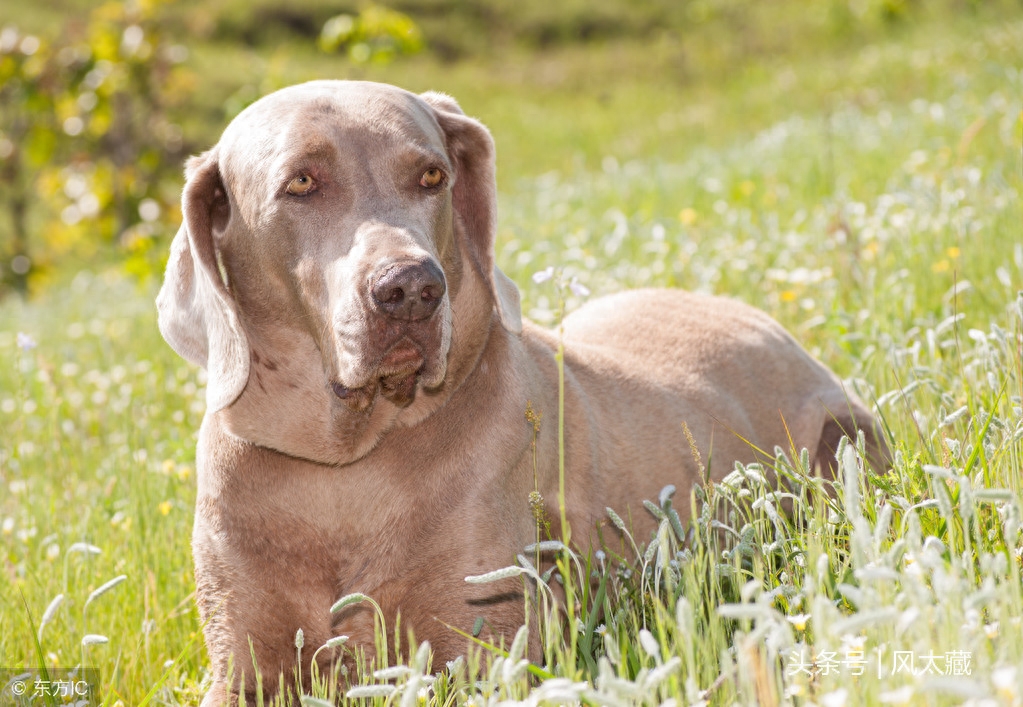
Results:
431 178
300 186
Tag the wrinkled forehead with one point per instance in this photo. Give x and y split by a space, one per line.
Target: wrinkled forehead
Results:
326 116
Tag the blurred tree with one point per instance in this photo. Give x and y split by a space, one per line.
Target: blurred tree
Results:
90 144
376 34
27 143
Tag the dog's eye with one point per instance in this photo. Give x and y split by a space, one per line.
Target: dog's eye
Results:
431 178
300 186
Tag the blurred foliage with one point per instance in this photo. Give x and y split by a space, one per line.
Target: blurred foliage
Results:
376 34
89 138
465 29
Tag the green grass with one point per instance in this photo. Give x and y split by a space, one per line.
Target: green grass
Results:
868 196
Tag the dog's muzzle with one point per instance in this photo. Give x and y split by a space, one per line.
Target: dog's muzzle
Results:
404 296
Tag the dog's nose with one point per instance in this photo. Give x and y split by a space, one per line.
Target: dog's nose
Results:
409 290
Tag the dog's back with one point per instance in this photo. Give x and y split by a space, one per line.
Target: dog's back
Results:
655 361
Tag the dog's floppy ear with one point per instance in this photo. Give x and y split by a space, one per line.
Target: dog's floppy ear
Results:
471 149
198 316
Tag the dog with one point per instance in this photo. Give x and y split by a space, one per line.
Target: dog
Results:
369 373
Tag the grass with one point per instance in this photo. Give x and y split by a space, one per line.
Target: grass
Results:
868 197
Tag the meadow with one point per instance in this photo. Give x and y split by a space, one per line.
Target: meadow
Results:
863 190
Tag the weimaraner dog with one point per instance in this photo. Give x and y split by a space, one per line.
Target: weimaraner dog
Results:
369 373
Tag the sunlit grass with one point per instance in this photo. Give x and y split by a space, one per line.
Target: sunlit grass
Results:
881 225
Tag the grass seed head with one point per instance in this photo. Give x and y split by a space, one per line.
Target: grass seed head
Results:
496 575
307 701
371 691
106 587
348 600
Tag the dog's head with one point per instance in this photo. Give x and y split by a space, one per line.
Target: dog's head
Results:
335 269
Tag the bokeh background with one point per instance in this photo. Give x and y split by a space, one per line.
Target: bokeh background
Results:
101 102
